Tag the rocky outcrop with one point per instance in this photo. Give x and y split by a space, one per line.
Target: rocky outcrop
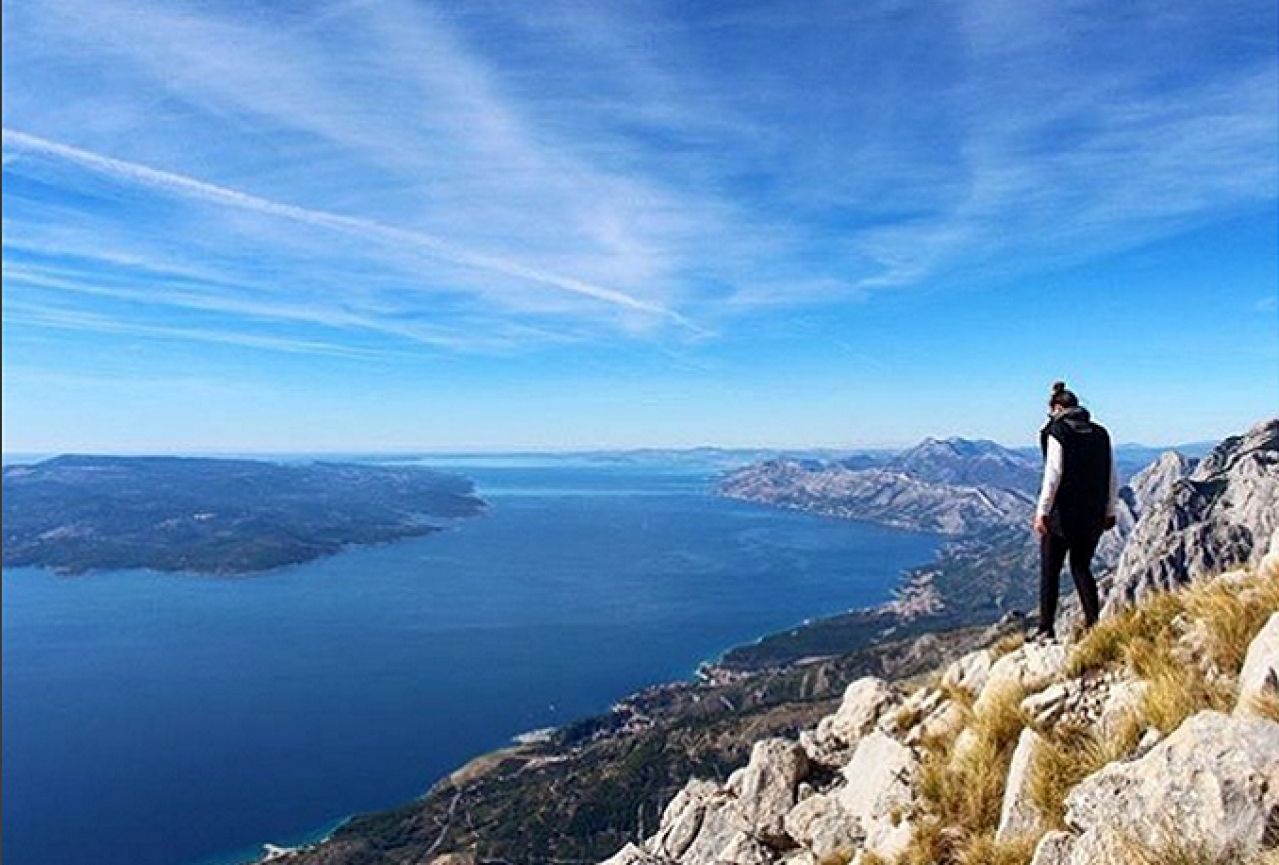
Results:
1214 780
766 788
1018 816
1259 678
1219 517
1145 489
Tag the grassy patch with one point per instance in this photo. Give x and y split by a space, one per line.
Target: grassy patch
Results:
962 791
1068 754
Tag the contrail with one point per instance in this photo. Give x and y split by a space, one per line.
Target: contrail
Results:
191 187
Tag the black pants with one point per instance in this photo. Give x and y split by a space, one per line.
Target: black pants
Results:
1052 555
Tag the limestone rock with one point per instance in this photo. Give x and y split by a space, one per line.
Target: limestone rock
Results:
867 704
1046 707
823 826
744 849
1260 674
1214 782
970 672
628 855
1269 566
1148 487
944 719
879 792
1122 701
767 787
1053 849
1219 517
864 702
1018 816
1028 669
696 824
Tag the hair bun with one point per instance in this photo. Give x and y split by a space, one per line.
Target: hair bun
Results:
1059 386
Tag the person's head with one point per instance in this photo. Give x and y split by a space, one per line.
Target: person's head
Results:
1061 399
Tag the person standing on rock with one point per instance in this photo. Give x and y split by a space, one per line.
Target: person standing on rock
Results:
1076 504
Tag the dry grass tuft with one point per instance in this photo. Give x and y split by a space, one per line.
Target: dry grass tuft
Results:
962 791
1070 753
1007 645
985 850
1174 850
1266 705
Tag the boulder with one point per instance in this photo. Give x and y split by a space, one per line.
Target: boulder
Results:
821 825
1268 568
1260 674
1047 707
880 792
970 672
864 703
945 719
1028 669
1213 783
1053 849
743 848
1018 817
1122 701
697 823
767 787
628 855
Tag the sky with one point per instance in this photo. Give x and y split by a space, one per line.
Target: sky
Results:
371 225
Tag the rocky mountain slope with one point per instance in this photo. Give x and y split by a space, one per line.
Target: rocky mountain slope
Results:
1155 739
953 487
950 746
1217 517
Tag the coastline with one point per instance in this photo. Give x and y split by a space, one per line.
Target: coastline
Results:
646 708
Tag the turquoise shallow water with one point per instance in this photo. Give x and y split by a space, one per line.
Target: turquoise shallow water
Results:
159 719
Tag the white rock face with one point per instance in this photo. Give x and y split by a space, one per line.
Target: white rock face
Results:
1260 674
1018 816
1028 668
867 704
767 787
1145 489
1053 849
696 825
1046 707
633 855
744 849
824 827
1219 517
1123 700
1214 781
879 792
969 672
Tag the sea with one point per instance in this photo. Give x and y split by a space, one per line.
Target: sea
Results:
175 719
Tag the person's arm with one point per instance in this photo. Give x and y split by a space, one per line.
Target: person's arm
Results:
1112 501
1048 489
1052 478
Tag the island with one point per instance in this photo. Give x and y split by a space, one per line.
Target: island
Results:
75 514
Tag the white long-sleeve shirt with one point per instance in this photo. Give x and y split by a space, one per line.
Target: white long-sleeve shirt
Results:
1052 480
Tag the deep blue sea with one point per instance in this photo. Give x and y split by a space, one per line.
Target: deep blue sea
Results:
159 719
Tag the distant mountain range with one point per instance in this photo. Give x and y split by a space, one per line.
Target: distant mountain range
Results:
222 516
952 486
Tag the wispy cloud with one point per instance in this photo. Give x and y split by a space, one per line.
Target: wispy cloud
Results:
492 174
188 186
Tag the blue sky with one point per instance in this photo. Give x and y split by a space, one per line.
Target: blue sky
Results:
308 226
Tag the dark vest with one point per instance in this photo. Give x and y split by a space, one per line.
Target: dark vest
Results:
1080 505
